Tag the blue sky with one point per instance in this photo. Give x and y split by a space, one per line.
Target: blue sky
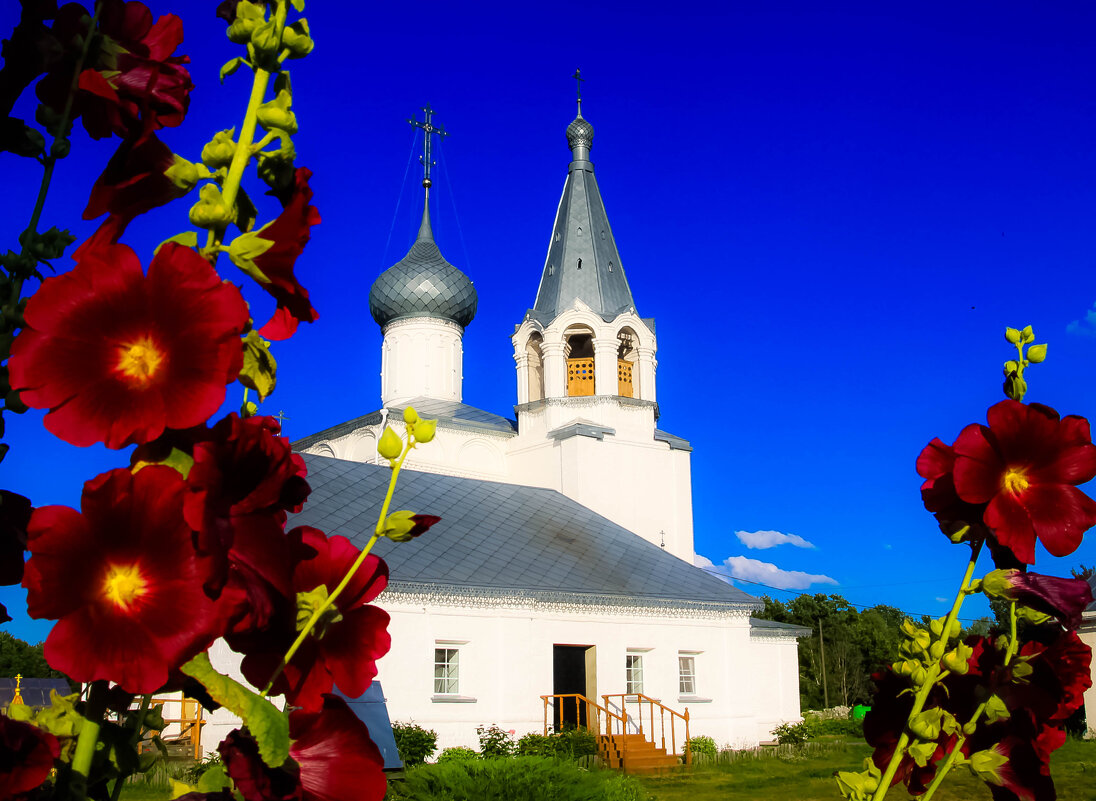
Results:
831 212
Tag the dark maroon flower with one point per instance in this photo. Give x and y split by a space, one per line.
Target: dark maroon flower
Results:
134 75
135 180
344 648
289 233
337 757
117 356
1056 687
331 758
14 515
122 580
1024 466
1063 598
244 479
26 756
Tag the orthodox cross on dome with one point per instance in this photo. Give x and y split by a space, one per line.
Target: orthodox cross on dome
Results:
428 128
578 88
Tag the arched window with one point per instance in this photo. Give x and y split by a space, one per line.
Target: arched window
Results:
579 350
627 363
536 366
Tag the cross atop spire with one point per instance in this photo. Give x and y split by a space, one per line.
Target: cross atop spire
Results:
578 88
428 128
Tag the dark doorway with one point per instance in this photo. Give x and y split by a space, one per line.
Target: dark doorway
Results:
573 673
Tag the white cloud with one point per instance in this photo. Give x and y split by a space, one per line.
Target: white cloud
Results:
741 567
941 600
1085 327
759 540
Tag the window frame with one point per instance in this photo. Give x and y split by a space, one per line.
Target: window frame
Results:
686 677
633 673
448 666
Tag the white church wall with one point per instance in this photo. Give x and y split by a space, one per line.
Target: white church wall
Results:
506 664
777 682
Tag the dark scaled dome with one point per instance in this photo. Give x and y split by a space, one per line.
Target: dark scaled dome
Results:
423 284
580 133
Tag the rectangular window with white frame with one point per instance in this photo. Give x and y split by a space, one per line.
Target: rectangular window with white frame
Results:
446 670
686 674
633 673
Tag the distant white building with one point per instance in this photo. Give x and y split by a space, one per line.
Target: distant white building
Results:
563 564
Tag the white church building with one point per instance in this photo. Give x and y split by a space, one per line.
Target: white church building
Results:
563 564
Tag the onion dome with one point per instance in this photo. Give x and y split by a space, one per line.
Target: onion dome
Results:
423 284
580 137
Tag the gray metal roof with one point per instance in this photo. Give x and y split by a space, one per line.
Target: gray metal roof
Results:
458 415
449 414
772 627
423 284
506 539
583 262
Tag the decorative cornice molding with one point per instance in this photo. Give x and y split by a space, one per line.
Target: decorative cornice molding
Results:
585 402
419 319
428 594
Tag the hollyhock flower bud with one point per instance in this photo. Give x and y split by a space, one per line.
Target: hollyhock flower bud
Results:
390 445
211 211
218 152
410 416
1063 598
276 115
424 430
296 39
248 17
1012 335
1037 353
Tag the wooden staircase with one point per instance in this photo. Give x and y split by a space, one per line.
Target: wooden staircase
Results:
622 741
634 753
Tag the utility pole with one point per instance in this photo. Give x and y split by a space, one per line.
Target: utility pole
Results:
822 645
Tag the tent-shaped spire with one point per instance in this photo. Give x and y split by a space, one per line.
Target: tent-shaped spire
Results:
583 262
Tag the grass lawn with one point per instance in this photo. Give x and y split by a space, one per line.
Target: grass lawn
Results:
809 778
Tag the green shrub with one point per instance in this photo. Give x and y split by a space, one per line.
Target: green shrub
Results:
792 733
703 747
494 742
533 744
517 779
458 753
414 743
567 744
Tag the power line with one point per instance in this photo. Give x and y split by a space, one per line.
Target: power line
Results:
912 615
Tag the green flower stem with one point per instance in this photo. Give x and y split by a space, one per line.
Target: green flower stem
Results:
316 615
242 156
957 748
134 738
50 160
930 681
89 738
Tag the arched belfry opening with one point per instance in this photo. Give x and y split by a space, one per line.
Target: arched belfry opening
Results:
535 351
627 363
578 349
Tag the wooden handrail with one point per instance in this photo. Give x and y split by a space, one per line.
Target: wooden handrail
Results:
639 699
601 715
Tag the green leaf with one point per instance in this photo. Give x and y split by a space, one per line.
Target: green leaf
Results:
230 68
188 239
260 370
214 780
986 765
267 725
182 462
243 251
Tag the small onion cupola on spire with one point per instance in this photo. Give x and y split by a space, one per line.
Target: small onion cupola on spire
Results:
580 137
423 283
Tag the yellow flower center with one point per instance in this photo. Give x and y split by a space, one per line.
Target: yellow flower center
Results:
123 585
140 360
1015 481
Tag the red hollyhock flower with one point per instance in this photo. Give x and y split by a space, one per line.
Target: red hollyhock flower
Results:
290 232
1024 465
1056 687
134 75
935 465
346 654
331 755
118 356
26 756
122 580
134 180
244 479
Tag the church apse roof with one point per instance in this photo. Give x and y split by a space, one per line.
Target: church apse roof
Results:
506 539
